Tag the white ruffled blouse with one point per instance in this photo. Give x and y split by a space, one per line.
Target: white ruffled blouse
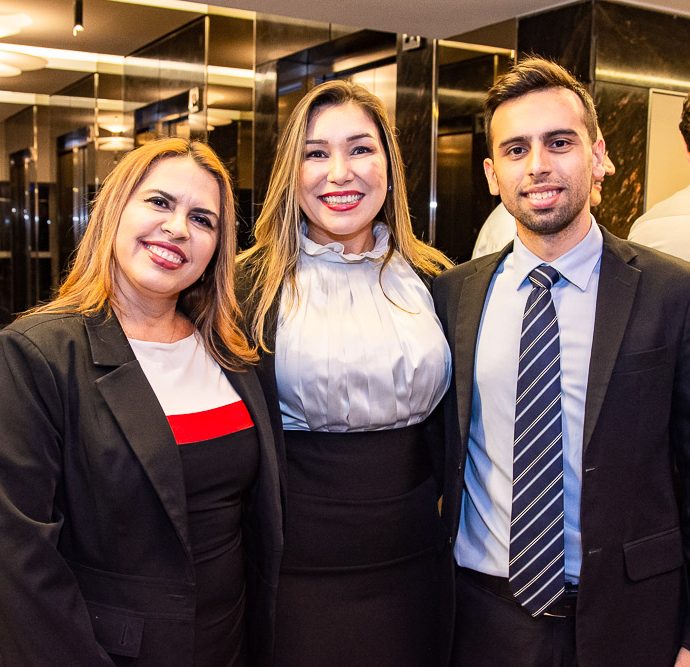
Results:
353 354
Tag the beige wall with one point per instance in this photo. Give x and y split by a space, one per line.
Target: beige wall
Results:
668 169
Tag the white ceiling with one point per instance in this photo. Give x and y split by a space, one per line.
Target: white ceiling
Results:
434 19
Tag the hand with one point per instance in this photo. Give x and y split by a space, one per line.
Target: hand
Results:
683 658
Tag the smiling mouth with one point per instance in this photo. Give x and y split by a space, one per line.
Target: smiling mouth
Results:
167 255
335 200
539 196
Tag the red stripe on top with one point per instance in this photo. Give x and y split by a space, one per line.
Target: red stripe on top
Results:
209 424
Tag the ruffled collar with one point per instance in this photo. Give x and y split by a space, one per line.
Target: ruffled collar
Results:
335 252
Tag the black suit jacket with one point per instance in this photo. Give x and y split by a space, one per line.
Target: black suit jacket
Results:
635 506
96 566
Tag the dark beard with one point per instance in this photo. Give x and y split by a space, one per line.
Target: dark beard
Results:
547 222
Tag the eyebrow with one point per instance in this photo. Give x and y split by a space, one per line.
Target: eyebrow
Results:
173 198
545 136
354 137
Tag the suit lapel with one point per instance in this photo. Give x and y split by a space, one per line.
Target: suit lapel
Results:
248 387
468 317
134 406
617 288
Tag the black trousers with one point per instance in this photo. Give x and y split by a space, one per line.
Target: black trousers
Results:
491 630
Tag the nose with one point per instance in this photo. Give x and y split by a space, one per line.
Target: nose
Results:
609 167
175 224
538 160
339 168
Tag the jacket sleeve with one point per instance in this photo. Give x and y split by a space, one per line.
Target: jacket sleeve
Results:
680 437
43 616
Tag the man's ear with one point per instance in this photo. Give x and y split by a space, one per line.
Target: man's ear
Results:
491 176
598 157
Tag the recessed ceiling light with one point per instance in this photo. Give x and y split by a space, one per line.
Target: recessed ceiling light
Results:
9 70
11 24
23 61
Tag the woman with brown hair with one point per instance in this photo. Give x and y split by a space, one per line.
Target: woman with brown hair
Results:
353 363
138 480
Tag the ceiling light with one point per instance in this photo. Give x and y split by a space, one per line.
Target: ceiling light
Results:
113 122
114 143
9 70
11 24
78 17
21 61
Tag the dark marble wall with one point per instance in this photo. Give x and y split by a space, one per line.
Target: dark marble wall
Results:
622 52
564 34
646 48
413 119
623 120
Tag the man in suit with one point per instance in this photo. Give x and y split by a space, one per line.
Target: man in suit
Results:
568 424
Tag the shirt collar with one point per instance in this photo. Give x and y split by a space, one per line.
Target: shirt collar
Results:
335 252
576 265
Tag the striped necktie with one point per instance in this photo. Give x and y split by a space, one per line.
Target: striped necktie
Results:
537 562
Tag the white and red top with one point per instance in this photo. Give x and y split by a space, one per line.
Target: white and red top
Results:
196 396
219 456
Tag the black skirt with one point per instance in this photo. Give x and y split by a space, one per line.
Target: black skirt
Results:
358 584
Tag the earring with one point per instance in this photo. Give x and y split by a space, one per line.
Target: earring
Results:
390 187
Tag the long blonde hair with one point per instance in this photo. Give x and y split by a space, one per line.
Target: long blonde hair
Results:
210 303
272 261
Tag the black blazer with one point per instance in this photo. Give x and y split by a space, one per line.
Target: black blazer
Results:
96 566
635 508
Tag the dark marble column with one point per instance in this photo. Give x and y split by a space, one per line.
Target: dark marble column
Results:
564 34
623 120
265 128
413 111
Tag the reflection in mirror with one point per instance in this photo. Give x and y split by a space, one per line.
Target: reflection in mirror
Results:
465 73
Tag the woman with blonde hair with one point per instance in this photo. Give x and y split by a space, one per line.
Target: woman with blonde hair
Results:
353 363
137 442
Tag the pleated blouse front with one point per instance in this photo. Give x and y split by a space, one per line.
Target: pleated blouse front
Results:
358 350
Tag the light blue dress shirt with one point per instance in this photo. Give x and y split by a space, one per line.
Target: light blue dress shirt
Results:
484 534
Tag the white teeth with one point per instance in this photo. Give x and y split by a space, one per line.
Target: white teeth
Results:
542 195
165 254
341 199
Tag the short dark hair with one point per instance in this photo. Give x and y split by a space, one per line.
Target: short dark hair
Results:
532 74
684 124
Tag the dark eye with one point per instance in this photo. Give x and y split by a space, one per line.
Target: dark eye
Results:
561 143
316 153
156 200
202 220
516 151
361 150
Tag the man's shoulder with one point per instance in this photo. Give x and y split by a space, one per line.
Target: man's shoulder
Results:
659 266
458 273
678 204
